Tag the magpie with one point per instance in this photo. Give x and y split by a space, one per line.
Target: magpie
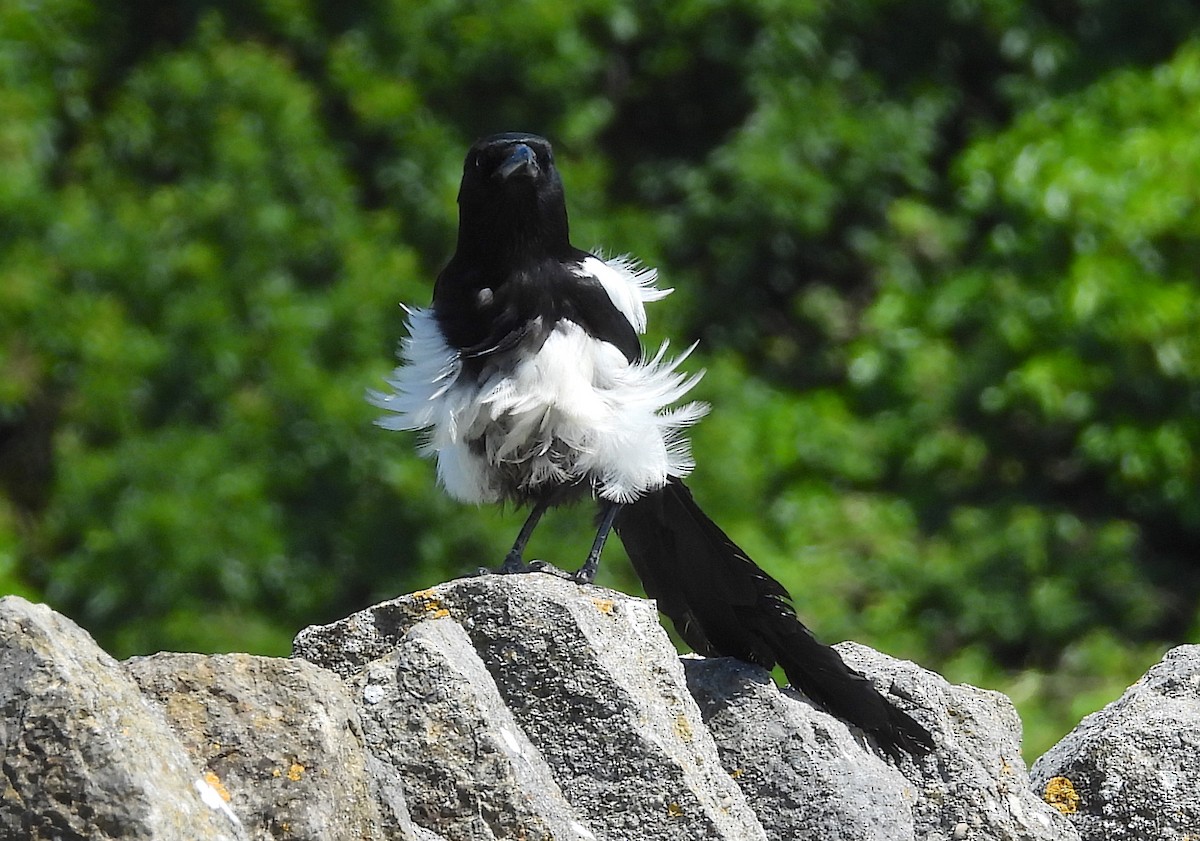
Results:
529 381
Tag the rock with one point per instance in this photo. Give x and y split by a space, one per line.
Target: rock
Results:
808 776
528 707
974 786
84 754
1132 770
593 681
432 711
802 771
280 740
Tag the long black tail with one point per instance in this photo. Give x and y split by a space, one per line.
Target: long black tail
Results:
722 604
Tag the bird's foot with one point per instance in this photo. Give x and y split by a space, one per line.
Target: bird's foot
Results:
513 565
583 575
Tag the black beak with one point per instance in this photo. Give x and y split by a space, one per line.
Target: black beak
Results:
520 159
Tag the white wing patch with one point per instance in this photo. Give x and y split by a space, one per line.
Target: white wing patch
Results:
629 284
577 410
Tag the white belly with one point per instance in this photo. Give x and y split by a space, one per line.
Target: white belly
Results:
576 412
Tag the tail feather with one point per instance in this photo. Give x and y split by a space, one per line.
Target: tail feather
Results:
723 604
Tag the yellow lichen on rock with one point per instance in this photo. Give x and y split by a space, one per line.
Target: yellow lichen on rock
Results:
428 601
1060 793
683 728
213 780
605 606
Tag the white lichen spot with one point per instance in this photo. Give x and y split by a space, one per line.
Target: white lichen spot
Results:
1111 787
582 831
213 800
510 740
373 693
1015 808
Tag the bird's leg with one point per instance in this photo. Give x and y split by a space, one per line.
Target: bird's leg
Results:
587 573
514 561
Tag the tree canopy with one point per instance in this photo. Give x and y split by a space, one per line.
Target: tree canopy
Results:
940 256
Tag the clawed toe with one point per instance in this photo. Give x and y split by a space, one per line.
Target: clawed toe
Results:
581 576
549 569
513 565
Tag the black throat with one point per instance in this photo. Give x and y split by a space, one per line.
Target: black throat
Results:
515 274
511 206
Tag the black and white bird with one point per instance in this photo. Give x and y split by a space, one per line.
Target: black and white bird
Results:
528 378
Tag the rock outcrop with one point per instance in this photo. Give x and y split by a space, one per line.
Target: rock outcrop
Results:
85 754
527 707
1132 770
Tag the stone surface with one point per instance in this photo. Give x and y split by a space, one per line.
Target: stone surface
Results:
431 710
974 786
803 772
84 754
530 708
281 740
592 679
1132 770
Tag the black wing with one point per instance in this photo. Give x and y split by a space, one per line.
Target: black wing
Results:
485 313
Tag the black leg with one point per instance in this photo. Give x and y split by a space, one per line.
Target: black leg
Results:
514 561
586 573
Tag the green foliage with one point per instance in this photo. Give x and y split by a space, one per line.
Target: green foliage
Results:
941 258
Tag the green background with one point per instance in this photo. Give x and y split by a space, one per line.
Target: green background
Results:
940 257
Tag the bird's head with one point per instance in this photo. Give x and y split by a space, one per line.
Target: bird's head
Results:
511 200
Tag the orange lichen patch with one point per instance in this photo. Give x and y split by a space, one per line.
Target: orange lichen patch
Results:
430 602
295 772
1060 793
605 606
736 772
213 780
674 810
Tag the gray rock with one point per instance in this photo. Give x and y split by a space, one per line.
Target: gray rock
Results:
84 754
527 707
433 712
802 770
1132 770
974 786
592 679
280 740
